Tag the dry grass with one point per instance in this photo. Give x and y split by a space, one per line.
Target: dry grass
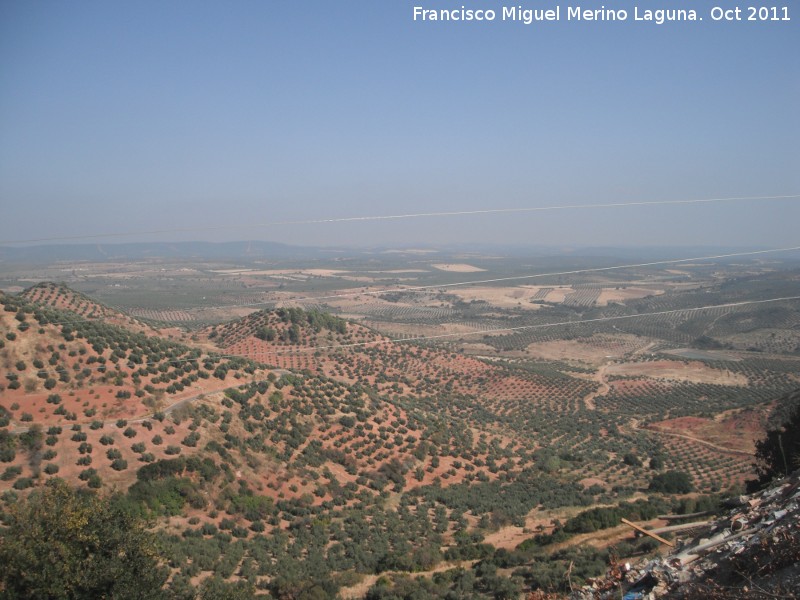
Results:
456 267
693 372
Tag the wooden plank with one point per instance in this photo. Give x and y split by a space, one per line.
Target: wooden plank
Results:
652 535
693 554
682 527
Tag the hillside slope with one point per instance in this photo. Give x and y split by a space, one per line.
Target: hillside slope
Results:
365 456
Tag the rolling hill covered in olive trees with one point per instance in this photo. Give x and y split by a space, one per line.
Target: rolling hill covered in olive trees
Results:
321 449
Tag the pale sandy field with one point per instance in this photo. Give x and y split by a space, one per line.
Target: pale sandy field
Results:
456 267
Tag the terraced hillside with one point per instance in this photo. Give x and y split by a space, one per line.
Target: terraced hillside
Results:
61 297
306 453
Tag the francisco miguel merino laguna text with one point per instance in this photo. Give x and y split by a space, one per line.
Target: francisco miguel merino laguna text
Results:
573 13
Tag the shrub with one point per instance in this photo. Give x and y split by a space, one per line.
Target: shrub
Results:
120 562
257 526
778 454
23 483
191 439
119 464
11 473
86 473
671 482
632 460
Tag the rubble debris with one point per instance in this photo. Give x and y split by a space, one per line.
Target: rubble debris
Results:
752 552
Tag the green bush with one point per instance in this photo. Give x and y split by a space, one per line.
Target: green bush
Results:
671 482
11 473
778 454
120 562
23 483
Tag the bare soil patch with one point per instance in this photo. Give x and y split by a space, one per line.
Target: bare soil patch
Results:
500 297
557 295
571 351
694 372
457 267
623 294
588 482
737 430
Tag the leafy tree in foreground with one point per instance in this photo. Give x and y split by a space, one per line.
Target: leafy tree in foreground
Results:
61 543
778 454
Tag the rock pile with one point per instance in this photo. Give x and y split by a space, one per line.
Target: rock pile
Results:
752 552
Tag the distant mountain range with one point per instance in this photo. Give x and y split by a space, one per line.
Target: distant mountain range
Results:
144 250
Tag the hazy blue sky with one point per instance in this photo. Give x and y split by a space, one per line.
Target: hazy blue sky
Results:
124 116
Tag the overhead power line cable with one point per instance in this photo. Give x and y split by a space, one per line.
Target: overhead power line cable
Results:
396 217
423 288
536 326
423 338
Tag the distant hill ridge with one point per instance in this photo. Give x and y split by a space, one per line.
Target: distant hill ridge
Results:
105 251
145 250
284 326
47 349
61 296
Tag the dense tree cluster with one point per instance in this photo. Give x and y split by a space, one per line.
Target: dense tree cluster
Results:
671 482
605 517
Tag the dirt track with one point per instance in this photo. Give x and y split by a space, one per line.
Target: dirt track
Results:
657 431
